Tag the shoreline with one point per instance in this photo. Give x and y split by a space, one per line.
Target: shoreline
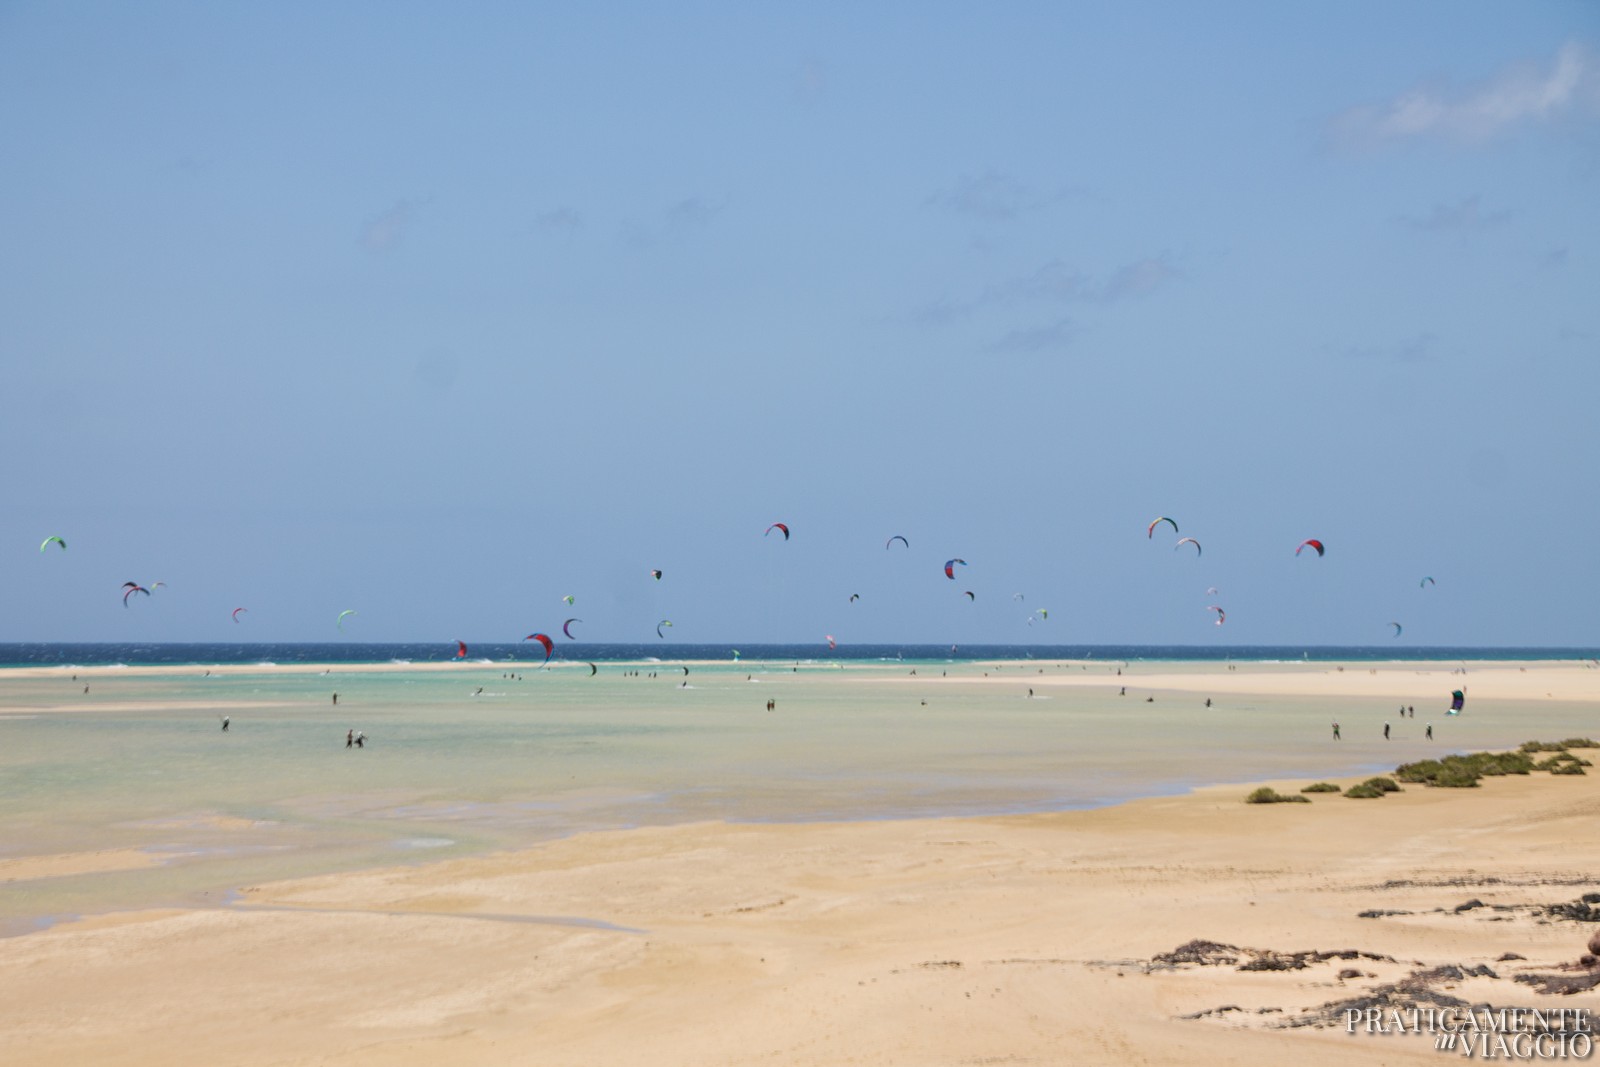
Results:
1032 937
731 940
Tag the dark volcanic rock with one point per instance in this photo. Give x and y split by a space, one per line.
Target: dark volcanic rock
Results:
1562 984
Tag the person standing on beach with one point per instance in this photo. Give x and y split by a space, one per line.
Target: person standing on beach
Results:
349 738
1386 731
1429 732
1336 731
336 700
224 724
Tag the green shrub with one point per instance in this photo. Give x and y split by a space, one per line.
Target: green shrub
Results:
1268 795
1463 772
1321 787
1562 759
1385 785
1421 771
1455 778
1364 791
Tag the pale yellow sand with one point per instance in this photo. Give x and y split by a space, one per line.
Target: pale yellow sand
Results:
1022 939
29 868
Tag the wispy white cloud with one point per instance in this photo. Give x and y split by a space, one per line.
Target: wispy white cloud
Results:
695 211
383 232
675 221
1420 348
562 220
1138 279
1467 215
1055 335
1566 85
1056 283
993 197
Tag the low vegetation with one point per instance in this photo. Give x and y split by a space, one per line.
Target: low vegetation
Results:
1268 795
1463 772
1558 746
1450 772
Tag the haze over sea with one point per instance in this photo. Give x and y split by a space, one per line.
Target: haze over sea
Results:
117 750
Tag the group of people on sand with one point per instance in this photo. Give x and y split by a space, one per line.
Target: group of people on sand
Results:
355 739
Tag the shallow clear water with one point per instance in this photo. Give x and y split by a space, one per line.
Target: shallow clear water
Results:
140 762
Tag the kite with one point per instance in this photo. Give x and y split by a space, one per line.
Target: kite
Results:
893 539
778 526
1151 531
1198 551
659 625
549 645
854 597
950 568
568 632
1426 582
655 574
1314 544
970 595
340 621
130 588
54 538
831 642
1222 616
568 599
593 670
236 612
1397 628
1458 697
461 649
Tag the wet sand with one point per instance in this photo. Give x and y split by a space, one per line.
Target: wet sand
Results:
1009 939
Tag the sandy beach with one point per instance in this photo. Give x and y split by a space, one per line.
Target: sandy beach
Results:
1042 938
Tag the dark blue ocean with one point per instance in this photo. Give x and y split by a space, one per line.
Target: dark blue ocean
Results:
39 654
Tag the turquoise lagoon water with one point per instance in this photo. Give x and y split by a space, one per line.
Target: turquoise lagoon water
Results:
499 755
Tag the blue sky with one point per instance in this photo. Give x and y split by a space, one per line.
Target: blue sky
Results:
440 315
